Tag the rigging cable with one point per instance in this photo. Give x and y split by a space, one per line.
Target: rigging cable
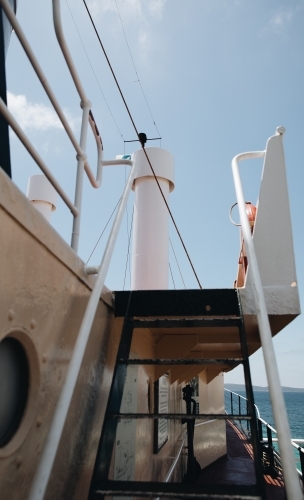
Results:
128 253
103 230
137 133
172 276
102 93
177 262
138 79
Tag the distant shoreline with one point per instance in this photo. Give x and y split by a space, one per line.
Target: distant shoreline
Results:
257 388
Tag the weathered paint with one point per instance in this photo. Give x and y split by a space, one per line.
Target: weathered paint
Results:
44 292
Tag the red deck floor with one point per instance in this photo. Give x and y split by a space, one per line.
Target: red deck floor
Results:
238 468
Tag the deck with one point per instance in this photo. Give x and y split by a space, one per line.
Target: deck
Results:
238 467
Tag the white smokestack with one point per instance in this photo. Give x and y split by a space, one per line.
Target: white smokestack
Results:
150 253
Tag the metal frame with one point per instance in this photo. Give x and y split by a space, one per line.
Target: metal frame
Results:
87 119
292 484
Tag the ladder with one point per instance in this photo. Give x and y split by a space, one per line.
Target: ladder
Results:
173 309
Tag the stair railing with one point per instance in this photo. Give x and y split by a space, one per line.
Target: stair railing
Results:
87 119
291 478
52 442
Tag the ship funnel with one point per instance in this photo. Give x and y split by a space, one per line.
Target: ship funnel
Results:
150 253
42 194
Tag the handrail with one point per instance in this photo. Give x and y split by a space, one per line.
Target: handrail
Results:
35 155
96 183
52 442
236 394
278 405
87 119
30 54
270 439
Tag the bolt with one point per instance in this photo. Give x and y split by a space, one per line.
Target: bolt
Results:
281 130
33 324
11 314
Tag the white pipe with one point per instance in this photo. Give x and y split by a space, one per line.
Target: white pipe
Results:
293 440
91 270
96 183
79 177
52 442
30 54
35 155
291 479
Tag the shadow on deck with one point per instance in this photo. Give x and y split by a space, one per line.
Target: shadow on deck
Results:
238 466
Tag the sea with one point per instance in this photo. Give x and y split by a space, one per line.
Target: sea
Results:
294 402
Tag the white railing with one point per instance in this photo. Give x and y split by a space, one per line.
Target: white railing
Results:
87 119
52 442
291 479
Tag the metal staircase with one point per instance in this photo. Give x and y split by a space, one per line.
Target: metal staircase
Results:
178 309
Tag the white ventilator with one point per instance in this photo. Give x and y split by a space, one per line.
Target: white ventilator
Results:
150 252
42 194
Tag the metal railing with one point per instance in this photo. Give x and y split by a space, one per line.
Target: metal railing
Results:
292 484
87 119
234 401
238 405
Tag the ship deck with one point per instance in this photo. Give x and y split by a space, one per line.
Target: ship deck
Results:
238 466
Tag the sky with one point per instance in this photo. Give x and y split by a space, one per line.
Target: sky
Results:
219 76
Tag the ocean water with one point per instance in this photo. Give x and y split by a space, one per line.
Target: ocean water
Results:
294 402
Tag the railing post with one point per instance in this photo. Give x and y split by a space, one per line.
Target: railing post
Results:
86 106
231 403
270 448
260 429
302 462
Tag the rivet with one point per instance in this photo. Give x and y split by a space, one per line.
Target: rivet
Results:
44 358
18 461
39 421
33 324
11 314
208 308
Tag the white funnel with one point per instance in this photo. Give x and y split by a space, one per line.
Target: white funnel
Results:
150 253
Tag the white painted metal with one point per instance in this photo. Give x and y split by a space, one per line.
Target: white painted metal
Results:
42 194
51 444
30 54
272 235
35 155
291 479
87 118
150 252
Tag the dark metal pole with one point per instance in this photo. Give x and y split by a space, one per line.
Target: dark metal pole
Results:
5 157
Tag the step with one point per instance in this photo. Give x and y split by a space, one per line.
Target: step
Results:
179 416
175 490
176 303
188 361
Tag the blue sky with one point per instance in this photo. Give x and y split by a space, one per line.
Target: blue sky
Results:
219 76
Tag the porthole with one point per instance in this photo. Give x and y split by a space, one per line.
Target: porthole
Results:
14 387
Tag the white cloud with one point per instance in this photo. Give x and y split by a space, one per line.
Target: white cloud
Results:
155 7
128 8
279 21
35 116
